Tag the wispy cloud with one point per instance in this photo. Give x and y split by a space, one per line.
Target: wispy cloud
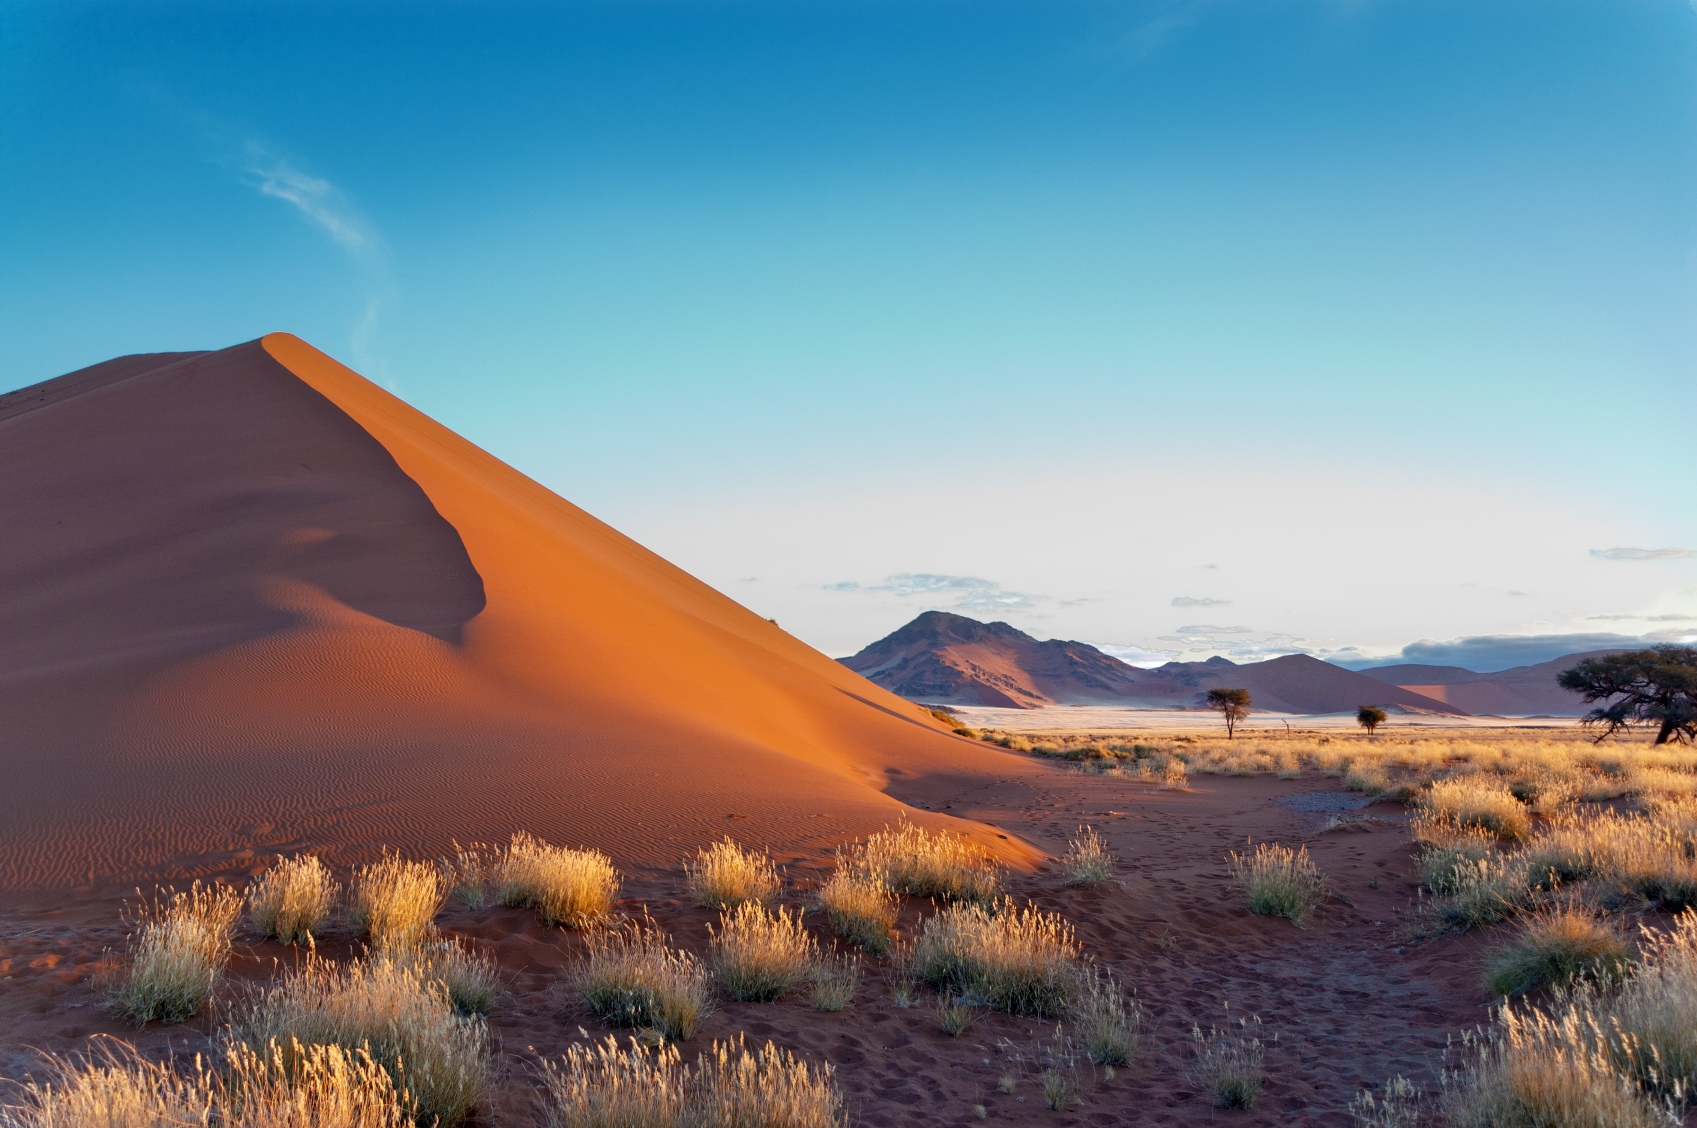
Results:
1641 553
1490 653
1193 601
1642 618
323 204
846 585
969 593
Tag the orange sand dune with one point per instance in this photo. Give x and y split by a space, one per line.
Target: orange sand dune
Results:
252 602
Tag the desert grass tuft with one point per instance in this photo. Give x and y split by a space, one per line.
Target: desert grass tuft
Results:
467 874
1279 881
1088 860
632 977
575 888
1106 1022
1480 801
1229 1064
900 976
308 1087
758 955
609 1086
1653 1020
832 982
111 1087
292 900
1024 960
470 976
1557 947
1397 1106
724 875
910 859
1483 892
394 902
955 1015
178 949
439 1059
862 911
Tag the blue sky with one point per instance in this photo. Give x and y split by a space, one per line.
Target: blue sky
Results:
1179 327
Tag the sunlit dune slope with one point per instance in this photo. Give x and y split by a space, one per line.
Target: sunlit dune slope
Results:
252 602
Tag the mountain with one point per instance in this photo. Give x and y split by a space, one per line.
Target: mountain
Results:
952 660
255 603
949 659
1521 691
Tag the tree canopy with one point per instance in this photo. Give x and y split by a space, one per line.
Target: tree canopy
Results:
1232 703
1656 687
1370 717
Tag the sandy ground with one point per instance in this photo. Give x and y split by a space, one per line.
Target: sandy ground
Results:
1350 999
1108 718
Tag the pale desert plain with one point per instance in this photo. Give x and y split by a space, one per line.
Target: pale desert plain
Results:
257 607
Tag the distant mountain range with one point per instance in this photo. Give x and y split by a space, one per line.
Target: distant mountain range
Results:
948 659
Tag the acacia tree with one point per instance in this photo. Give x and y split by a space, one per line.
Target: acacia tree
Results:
1657 687
1370 717
1233 704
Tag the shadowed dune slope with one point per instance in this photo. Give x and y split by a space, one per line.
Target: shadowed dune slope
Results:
255 603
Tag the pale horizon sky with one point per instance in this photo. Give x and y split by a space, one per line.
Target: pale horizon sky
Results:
1181 327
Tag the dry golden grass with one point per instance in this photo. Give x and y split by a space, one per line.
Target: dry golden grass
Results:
1088 860
1478 801
910 859
862 911
632 977
178 948
724 875
394 902
292 900
1229 1064
608 1086
575 888
1555 948
832 982
467 874
758 955
955 1016
1484 892
1396 1106
439 1059
114 1087
470 976
1107 1023
1654 1017
1022 960
1279 881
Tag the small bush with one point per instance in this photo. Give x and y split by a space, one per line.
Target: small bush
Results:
1229 1063
724 875
395 902
1279 881
406 1022
1474 801
758 955
1107 1023
1088 860
631 977
1023 961
575 888
1398 1106
178 949
606 1086
861 910
1555 948
913 860
832 981
292 900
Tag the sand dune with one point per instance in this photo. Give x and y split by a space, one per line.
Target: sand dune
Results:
254 602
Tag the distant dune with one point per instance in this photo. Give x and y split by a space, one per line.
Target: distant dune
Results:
253 602
1521 691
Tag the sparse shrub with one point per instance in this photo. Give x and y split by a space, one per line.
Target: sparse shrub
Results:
1398 1106
1555 948
1229 1063
406 1022
632 977
395 901
292 900
955 1015
1019 960
758 955
178 949
910 859
724 874
1480 802
1088 860
1532 1070
861 910
1107 1022
606 1086
1279 881
832 981
575 888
